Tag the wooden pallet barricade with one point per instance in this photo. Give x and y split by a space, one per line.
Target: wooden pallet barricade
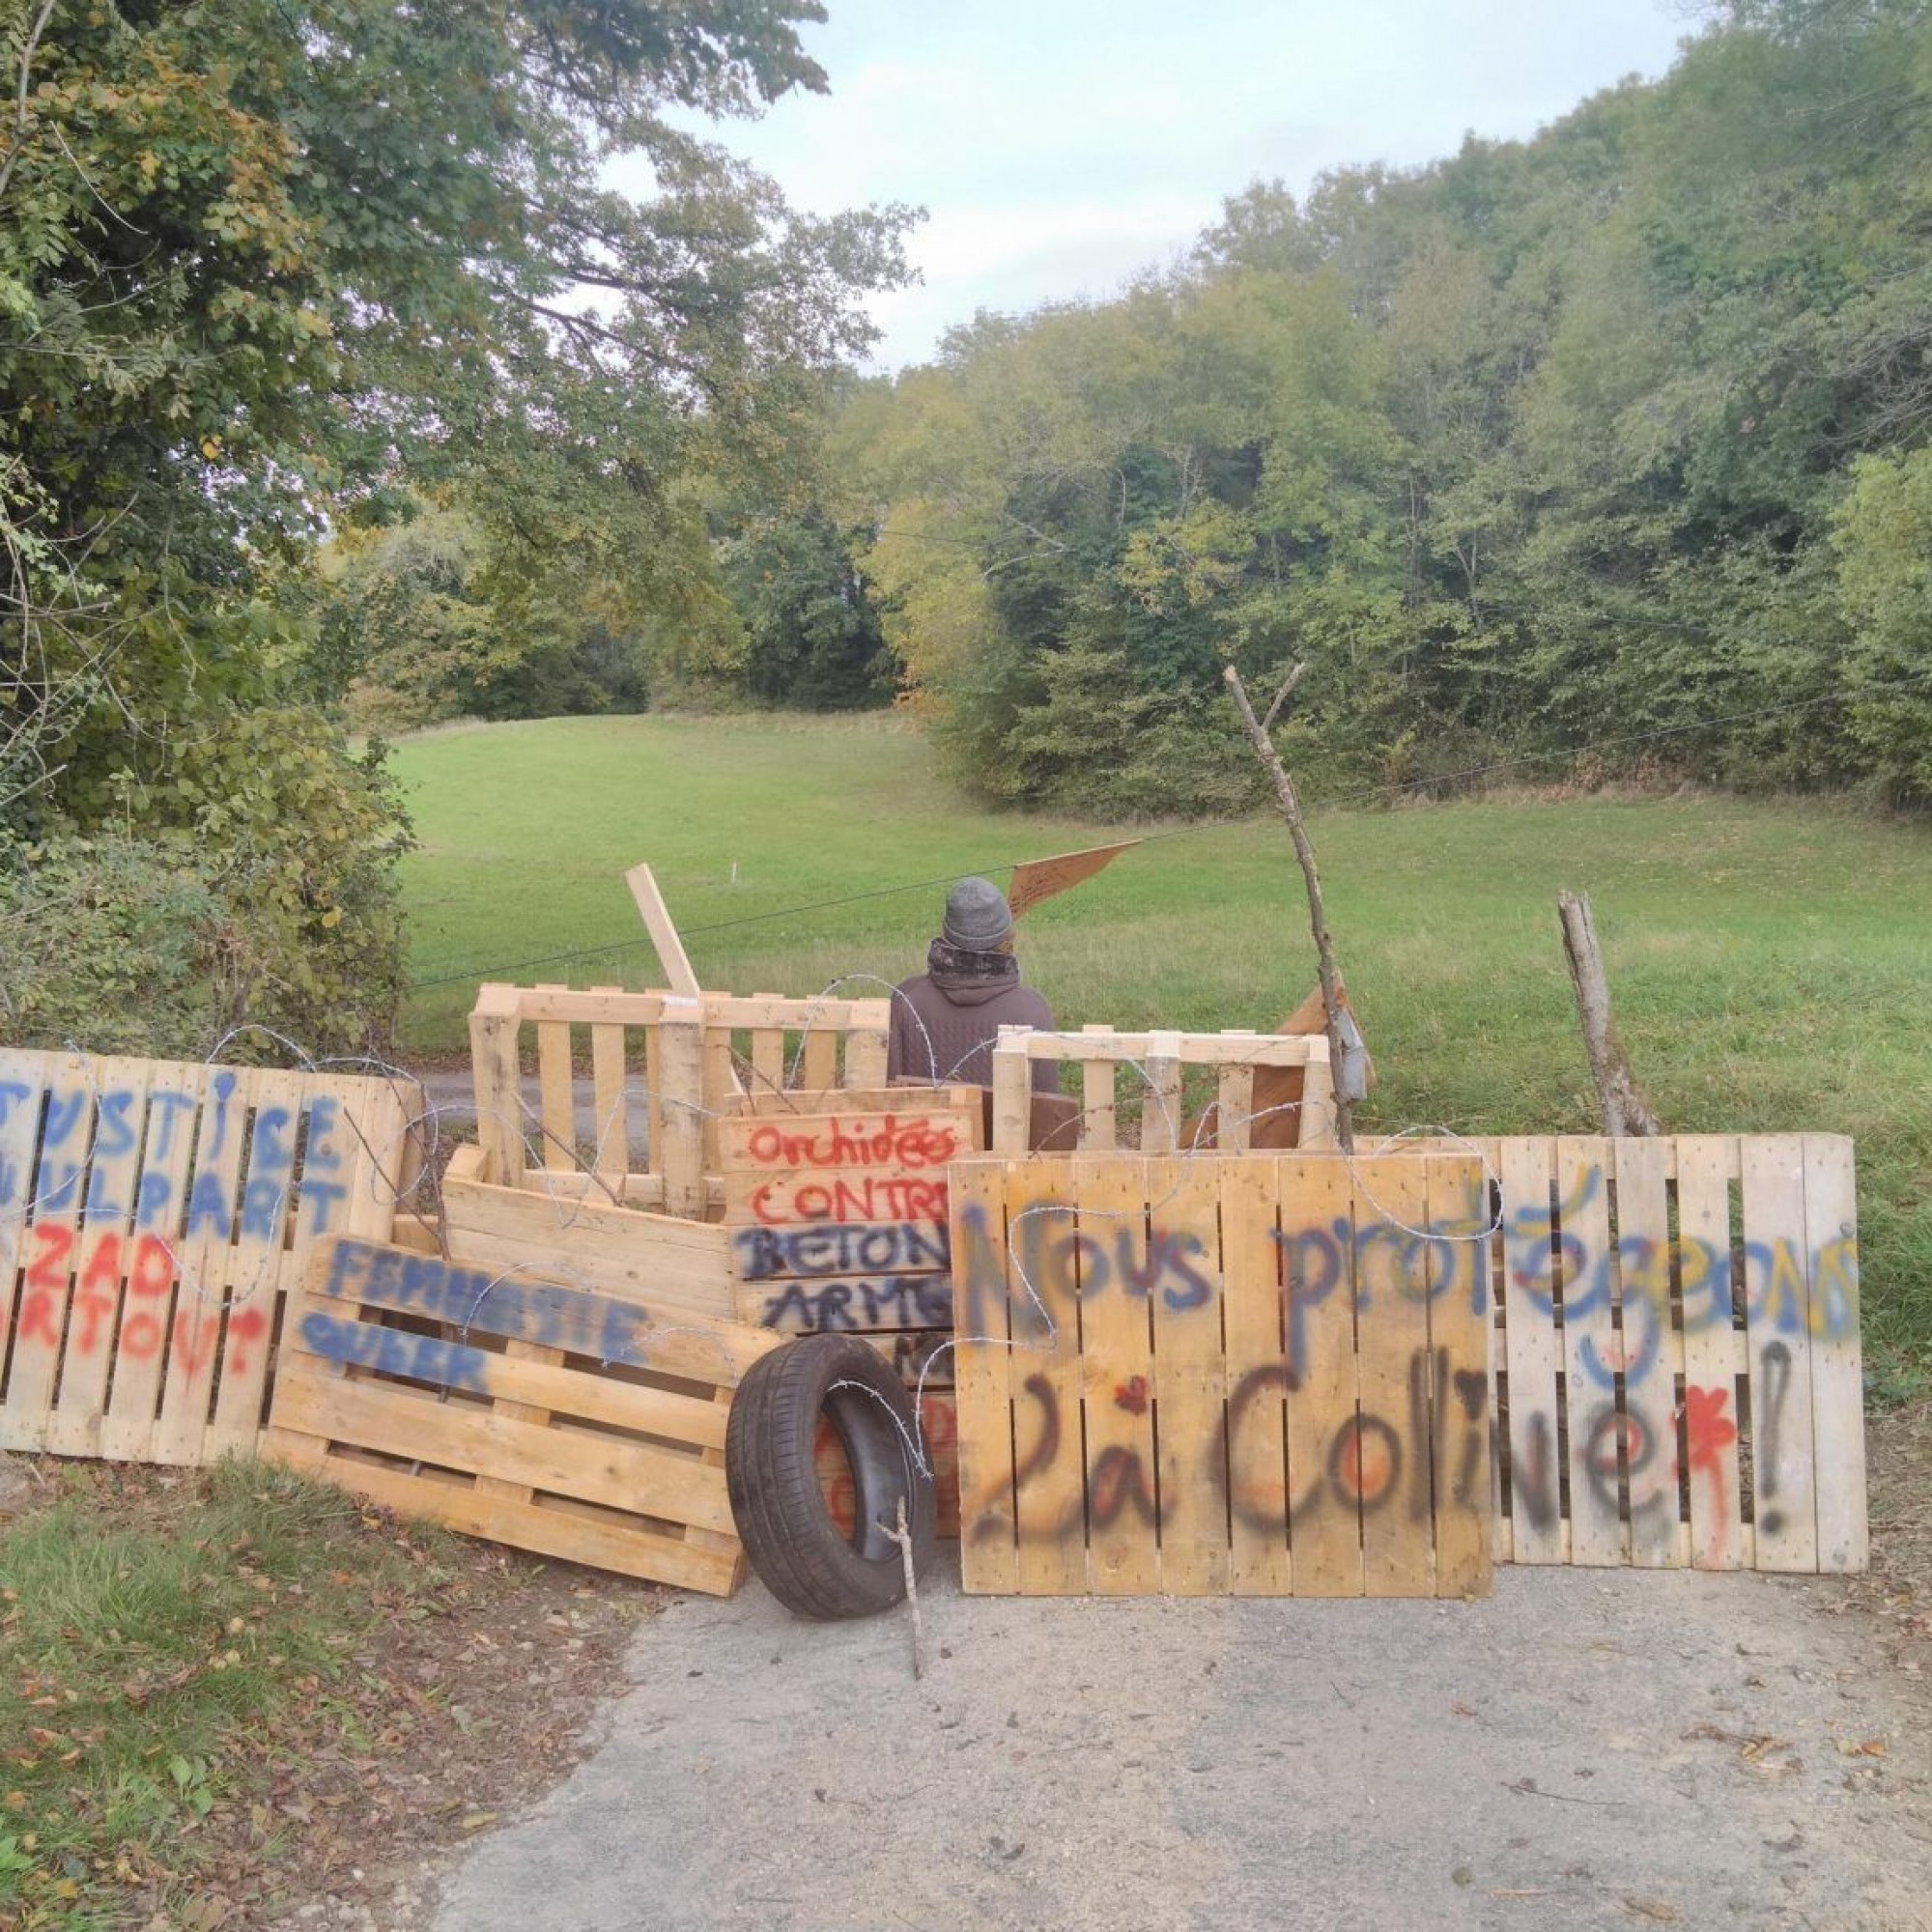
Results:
152 1215
1221 1375
576 1424
1676 1368
1121 1076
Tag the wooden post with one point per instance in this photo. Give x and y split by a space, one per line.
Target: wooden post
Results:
678 975
1626 1111
498 1078
1325 951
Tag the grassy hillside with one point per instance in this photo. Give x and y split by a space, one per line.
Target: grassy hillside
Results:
1771 963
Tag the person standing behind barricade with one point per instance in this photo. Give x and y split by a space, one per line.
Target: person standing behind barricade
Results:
946 1021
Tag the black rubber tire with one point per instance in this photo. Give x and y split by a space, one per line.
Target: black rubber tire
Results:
786 1529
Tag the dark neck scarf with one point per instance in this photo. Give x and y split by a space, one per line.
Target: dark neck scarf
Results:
960 966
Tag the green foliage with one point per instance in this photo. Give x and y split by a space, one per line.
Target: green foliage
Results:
1552 444
813 631
264 268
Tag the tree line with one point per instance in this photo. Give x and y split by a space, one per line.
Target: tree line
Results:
1611 443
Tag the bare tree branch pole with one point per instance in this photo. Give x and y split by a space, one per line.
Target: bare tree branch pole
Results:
1626 1111
1325 950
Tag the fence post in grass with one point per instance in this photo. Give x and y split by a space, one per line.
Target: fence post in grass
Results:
1626 1111
1291 810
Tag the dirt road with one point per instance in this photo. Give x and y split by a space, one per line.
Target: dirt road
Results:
1584 1749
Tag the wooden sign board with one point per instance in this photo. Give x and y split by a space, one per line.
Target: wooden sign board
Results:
1035 880
1239 1376
540 1414
152 1214
839 1222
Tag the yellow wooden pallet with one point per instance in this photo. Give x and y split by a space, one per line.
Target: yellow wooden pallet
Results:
576 1424
1224 1374
1676 1368
152 1216
1138 1075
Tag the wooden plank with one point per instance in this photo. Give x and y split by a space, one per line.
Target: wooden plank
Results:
798 1197
1254 1439
1459 1333
818 1057
1316 1120
1160 1104
866 1051
1711 1413
556 1094
650 901
1595 1431
58 1172
1098 1114
1184 1292
1117 1372
323 1329
1319 1257
1233 1108
497 1076
610 1121
24 1082
252 1279
1651 1354
768 1010
829 1250
1385 1462
1044 1370
982 1372
502 1445
1193 1049
768 1061
546 1312
847 1304
1534 1351
127 1430
599 1006
1012 1094
218 1209
104 1254
545 1531
907 1141
1778 1327
679 1084
1837 1369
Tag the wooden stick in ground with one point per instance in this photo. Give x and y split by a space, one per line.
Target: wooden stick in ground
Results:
1325 950
1626 1111
902 1536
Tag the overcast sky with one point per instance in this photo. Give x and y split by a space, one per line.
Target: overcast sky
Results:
1060 145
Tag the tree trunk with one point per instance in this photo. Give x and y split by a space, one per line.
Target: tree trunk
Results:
1626 1111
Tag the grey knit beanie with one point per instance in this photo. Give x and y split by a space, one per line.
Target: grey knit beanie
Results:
978 918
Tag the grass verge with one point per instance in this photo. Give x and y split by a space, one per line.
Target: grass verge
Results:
225 1692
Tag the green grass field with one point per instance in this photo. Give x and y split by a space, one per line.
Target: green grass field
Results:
1770 962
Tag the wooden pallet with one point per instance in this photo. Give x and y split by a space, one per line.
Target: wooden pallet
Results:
664 1070
1675 1368
1224 1374
1128 1077
576 1424
152 1214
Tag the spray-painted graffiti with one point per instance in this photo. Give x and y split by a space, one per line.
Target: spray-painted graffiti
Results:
1368 1462
886 1301
424 1359
73 1164
545 1312
1056 1260
766 1254
893 1140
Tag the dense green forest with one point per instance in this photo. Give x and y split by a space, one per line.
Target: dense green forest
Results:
338 394
1570 444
